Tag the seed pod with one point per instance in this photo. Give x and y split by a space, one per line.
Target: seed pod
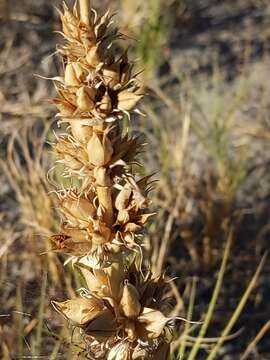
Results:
92 57
99 152
116 275
96 280
132 227
123 216
80 131
79 310
70 76
79 71
85 98
130 305
73 242
122 199
127 100
79 209
65 108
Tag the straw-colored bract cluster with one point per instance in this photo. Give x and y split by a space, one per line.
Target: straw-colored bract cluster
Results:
122 312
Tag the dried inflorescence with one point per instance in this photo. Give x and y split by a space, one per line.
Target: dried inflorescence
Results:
121 313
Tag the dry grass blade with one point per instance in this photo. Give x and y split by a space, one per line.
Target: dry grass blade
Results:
252 346
36 351
19 321
164 246
25 171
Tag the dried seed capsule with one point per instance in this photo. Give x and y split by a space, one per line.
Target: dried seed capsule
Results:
132 227
80 131
123 216
70 76
85 98
130 305
127 100
79 71
79 310
122 199
92 57
81 209
99 151
65 108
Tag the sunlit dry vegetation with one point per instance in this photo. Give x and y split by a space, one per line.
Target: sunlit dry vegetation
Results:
206 125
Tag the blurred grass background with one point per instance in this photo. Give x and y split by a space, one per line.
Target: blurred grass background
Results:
206 68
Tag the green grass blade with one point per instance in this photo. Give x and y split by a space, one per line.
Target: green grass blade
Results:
237 311
182 349
19 321
213 301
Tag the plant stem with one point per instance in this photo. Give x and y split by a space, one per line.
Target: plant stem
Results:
84 11
105 199
214 298
238 310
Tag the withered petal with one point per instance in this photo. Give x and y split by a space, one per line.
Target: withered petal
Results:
154 321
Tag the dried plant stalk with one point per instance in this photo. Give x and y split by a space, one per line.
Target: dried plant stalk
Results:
122 311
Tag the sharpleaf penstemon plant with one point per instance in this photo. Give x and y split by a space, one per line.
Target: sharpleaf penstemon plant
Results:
121 313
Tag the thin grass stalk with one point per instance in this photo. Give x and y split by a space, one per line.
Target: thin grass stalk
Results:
214 298
238 310
57 345
191 303
252 346
19 320
39 329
